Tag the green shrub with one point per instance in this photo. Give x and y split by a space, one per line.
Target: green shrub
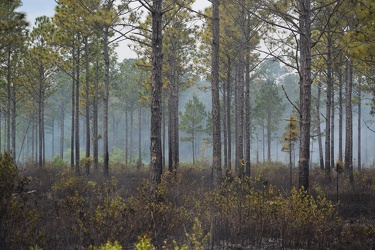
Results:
58 162
108 246
144 243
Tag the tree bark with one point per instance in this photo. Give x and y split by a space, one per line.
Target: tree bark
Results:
62 117
321 158
240 112
216 131
228 114
269 136
328 110
247 115
13 122
41 117
156 96
173 116
140 134
126 136
76 119
349 124
87 108
333 128
95 132
131 152
225 131
72 136
105 101
340 114
53 137
9 94
304 9
359 124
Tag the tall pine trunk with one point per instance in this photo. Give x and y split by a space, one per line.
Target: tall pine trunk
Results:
76 113
320 145
41 118
140 135
61 147
333 128
87 108
304 9
131 134
105 101
225 131
359 124
349 123
95 132
328 111
228 114
9 94
340 111
247 114
269 136
173 157
53 137
240 113
72 135
156 96
126 136
13 121
216 128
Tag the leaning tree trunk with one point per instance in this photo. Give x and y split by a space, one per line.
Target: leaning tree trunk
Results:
304 8
216 128
156 96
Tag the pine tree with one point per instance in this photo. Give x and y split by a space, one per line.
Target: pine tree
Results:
192 121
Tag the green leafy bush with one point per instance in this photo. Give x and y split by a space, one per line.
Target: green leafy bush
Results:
58 162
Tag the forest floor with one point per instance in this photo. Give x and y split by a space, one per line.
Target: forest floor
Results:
52 208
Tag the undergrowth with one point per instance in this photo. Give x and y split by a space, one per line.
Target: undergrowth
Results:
52 208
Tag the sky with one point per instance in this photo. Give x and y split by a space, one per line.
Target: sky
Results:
36 8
